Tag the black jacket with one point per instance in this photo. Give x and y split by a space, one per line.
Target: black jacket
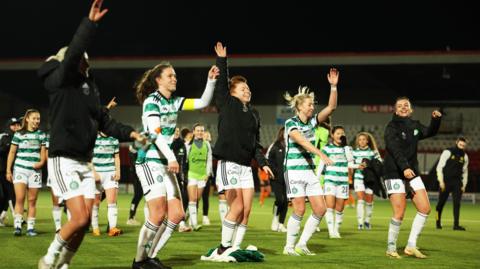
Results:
401 141
5 141
238 125
276 156
180 150
75 111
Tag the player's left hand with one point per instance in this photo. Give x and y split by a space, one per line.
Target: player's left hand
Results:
436 114
214 72
332 76
116 176
268 171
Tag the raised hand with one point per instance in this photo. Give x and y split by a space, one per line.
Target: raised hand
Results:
332 76
436 114
214 72
220 50
112 103
96 14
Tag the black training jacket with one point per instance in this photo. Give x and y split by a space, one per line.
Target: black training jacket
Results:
401 141
75 112
238 125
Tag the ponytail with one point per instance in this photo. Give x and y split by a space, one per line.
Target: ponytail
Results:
147 83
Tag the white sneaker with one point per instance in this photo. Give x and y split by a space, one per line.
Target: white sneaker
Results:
334 236
304 251
275 224
290 251
281 228
133 222
43 265
206 221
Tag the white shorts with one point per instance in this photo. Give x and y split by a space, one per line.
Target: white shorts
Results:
107 181
232 175
154 178
302 183
398 186
200 183
359 186
31 178
339 191
71 178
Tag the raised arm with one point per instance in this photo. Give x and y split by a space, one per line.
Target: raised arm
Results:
204 100
332 77
221 92
432 129
78 46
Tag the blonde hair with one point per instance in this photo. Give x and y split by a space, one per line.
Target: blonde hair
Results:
295 101
370 140
61 55
24 127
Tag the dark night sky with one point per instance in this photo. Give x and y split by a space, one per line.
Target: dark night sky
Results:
148 28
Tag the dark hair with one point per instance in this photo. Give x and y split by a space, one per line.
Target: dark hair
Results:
462 138
281 135
327 124
24 127
336 127
147 83
402 98
196 125
184 132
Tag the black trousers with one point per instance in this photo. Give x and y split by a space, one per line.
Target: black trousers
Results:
7 193
206 196
137 195
456 190
281 201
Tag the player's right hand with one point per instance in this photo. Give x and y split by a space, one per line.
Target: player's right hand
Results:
9 176
173 167
408 173
442 186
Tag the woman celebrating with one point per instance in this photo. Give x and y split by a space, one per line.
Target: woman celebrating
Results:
156 169
300 170
236 146
28 151
402 174
365 148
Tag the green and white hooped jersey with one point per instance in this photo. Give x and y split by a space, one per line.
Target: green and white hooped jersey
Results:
338 172
29 145
156 105
104 153
360 154
47 141
296 157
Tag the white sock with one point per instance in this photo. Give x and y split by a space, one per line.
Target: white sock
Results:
393 231
368 212
112 212
164 233
338 221
417 226
3 215
192 208
360 211
54 249
275 223
222 209
12 208
310 228
30 223
95 217
239 235
293 228
146 212
228 228
145 240
57 217
330 221
17 221
65 257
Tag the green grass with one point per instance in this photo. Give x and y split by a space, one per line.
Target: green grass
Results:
357 249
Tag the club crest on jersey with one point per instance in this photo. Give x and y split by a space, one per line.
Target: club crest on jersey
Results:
294 190
415 132
159 178
233 181
396 186
85 89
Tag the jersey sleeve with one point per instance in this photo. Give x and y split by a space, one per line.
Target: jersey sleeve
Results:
151 108
290 125
16 139
116 144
